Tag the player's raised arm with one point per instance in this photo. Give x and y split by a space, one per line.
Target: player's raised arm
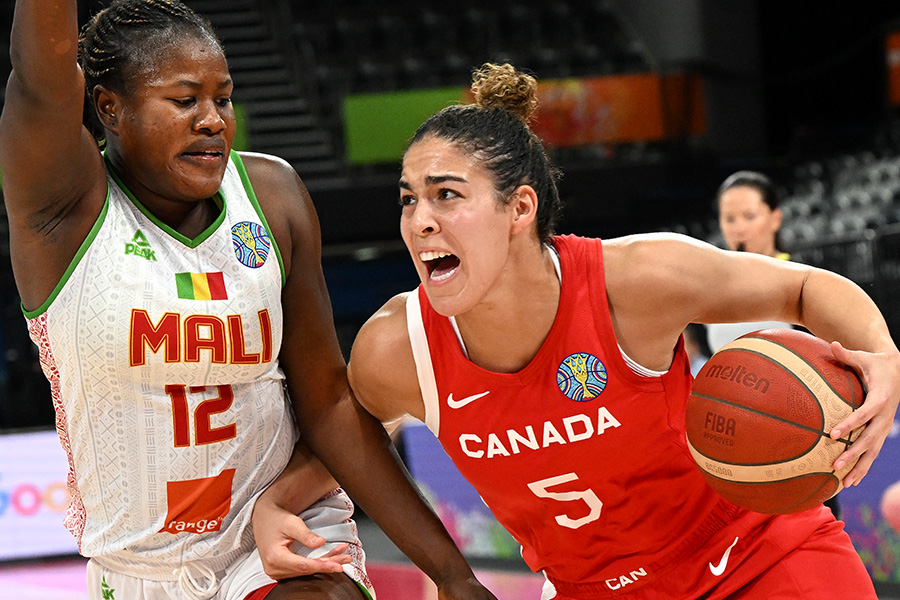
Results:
41 129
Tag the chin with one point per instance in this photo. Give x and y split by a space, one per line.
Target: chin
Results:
446 306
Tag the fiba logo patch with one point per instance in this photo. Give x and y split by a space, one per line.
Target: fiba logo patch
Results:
251 244
581 377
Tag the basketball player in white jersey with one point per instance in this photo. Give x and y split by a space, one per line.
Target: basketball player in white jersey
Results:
161 280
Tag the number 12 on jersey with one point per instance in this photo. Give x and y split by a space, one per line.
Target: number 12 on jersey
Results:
539 489
204 432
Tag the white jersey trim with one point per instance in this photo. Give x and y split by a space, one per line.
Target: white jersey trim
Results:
422 356
638 368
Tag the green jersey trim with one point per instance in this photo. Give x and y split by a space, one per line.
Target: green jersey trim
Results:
248 187
31 314
364 590
219 199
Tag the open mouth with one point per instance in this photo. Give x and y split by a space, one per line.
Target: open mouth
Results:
440 265
205 154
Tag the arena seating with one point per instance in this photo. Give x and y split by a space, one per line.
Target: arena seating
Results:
293 62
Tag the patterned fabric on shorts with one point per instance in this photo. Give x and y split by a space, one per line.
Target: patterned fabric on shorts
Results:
329 518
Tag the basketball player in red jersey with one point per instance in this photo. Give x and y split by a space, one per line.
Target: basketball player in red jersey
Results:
552 370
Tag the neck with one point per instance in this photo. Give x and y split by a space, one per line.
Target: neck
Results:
188 217
505 331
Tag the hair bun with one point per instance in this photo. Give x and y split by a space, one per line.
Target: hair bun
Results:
502 86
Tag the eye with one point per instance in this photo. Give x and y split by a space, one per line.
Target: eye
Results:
183 101
406 199
447 194
223 101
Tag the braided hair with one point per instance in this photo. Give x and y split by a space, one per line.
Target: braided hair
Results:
495 129
129 35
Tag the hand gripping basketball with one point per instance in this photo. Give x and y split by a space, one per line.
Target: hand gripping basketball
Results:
759 418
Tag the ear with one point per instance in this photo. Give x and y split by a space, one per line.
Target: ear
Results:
777 217
108 106
524 206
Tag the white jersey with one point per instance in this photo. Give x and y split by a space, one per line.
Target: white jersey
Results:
162 357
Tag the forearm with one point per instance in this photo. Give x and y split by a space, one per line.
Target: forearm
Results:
835 309
356 449
44 46
303 481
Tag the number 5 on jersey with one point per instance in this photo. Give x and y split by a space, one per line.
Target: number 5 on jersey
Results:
204 432
539 488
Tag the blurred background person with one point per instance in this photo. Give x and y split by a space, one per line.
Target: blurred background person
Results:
749 218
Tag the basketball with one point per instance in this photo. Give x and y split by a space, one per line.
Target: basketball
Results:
759 415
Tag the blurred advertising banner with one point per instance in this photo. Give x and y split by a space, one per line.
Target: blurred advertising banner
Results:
871 514
468 519
621 109
892 50
33 496
587 111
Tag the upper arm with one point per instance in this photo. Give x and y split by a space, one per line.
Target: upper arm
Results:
41 130
382 369
310 353
54 188
658 284
54 180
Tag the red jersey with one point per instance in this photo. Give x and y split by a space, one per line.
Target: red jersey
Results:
582 459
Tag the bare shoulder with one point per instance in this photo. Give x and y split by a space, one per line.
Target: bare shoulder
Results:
382 370
274 180
653 248
659 259
655 285
286 204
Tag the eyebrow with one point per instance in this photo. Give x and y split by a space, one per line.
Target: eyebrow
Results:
435 179
197 85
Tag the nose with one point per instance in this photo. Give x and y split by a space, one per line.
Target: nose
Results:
423 219
210 118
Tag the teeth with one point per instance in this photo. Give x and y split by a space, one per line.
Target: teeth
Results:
432 255
444 276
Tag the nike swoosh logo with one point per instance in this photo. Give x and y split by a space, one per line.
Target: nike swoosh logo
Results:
460 403
720 568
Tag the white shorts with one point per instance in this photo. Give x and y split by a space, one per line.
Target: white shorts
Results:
329 518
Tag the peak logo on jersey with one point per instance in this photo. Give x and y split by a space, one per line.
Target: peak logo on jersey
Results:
251 244
198 505
581 377
201 286
139 246
105 591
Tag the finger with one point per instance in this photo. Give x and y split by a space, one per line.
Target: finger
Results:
859 471
284 564
850 358
866 449
297 530
869 410
854 421
850 455
338 550
841 353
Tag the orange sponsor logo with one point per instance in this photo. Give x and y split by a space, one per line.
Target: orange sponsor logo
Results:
198 505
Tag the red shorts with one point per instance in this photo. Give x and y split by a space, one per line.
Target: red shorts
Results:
261 592
825 566
806 556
